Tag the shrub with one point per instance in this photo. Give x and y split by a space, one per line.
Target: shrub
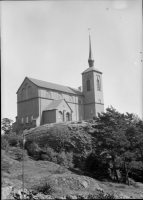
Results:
5 164
11 138
18 154
65 159
4 143
103 195
45 188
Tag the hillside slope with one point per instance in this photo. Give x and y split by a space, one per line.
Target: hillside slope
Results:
61 181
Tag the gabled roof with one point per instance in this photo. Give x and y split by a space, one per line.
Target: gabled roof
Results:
92 69
54 104
48 85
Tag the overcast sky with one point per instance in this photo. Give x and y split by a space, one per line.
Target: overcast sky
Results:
48 40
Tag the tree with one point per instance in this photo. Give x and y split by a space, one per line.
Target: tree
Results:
111 141
135 135
6 125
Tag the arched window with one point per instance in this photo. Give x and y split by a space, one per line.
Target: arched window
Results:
88 85
67 116
26 91
98 83
23 93
60 96
48 94
29 91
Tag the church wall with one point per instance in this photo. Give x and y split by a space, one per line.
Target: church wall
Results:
99 108
27 91
89 110
72 100
27 108
81 112
88 95
49 116
98 94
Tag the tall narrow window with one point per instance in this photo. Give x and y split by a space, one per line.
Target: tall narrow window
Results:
29 91
22 120
26 91
98 83
31 118
27 120
88 85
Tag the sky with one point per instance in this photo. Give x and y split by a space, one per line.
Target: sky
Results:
49 40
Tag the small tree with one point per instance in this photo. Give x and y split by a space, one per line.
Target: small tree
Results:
6 125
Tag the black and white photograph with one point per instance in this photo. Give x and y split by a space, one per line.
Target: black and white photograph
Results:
71 99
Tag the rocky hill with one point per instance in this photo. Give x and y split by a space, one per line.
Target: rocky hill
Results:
48 180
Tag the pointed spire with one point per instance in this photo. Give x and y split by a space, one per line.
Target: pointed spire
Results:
90 59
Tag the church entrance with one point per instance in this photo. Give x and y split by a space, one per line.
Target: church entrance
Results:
67 116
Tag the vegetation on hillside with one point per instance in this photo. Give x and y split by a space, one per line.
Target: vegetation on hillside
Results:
109 147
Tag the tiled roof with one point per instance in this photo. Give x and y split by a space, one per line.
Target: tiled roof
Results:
91 69
54 104
54 86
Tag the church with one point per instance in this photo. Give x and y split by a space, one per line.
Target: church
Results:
40 102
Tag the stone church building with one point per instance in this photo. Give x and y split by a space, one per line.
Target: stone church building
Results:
41 102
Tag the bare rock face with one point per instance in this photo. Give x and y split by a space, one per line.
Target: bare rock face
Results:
6 192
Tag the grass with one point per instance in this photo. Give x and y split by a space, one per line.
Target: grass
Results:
63 180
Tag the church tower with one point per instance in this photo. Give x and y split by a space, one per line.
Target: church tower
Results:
92 88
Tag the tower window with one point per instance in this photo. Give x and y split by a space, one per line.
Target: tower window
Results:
98 83
88 85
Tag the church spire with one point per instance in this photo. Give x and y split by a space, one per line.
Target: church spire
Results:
90 59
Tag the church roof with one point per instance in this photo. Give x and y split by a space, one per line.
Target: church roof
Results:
92 69
54 104
48 85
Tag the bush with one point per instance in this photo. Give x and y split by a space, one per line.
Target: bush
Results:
4 143
44 188
65 159
18 154
11 138
5 166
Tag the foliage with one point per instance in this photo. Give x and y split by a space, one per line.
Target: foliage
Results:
19 154
116 143
65 159
13 139
44 187
97 166
4 143
5 164
6 125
